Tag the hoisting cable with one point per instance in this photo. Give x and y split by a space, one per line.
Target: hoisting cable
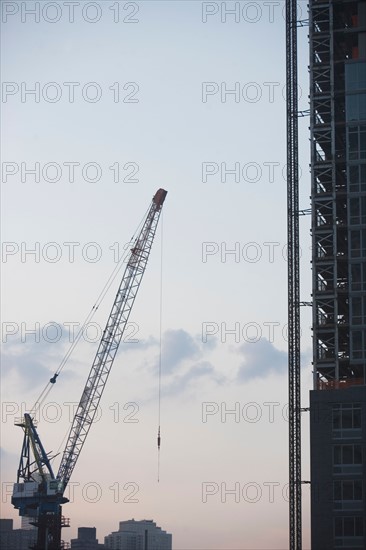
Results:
80 332
89 317
160 341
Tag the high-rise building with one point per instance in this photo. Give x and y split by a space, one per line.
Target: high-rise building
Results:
139 535
338 172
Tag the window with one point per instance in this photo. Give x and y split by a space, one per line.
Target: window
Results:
355 107
357 178
358 310
347 459
358 243
358 276
348 526
353 143
355 76
357 141
357 349
347 454
357 210
346 416
348 494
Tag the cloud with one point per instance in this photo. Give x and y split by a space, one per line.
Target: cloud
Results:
178 345
261 359
30 363
133 343
33 359
28 369
182 363
181 383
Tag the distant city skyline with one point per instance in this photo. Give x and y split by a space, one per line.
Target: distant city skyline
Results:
131 535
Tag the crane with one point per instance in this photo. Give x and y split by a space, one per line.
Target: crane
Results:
38 493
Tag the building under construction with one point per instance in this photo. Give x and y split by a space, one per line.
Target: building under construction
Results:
338 170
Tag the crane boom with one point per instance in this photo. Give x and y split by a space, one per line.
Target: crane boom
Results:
37 492
111 339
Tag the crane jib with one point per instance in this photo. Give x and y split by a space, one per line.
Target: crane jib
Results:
111 339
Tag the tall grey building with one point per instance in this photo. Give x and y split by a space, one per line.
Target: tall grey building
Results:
139 535
338 172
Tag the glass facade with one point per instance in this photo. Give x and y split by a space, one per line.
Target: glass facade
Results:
355 88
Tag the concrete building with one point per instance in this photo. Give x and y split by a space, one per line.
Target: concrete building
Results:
139 535
338 172
87 540
15 539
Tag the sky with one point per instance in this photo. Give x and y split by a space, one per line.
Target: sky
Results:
102 104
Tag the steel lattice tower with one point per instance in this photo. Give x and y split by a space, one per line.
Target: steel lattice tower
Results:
293 279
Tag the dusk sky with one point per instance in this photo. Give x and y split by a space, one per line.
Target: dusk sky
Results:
102 104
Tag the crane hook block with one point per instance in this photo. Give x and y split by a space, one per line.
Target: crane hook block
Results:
159 439
53 379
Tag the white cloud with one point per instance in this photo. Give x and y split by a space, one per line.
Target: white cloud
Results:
261 359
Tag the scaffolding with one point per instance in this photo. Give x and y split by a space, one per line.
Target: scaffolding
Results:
334 27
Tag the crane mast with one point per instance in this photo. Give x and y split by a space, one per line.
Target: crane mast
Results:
38 492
